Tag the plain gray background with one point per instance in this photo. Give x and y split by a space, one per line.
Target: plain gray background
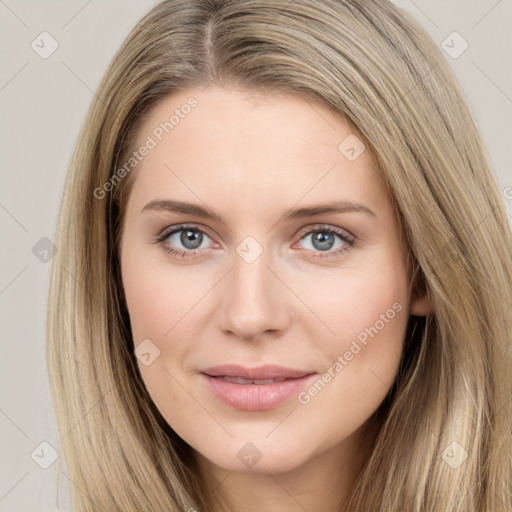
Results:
43 103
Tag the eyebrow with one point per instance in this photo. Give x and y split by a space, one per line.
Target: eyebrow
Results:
291 214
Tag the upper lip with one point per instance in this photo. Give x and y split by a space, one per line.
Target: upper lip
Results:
256 373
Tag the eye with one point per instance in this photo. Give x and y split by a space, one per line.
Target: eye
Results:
183 240
188 240
328 241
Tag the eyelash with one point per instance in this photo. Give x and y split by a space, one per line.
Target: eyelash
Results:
349 240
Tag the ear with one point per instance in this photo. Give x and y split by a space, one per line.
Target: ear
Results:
420 306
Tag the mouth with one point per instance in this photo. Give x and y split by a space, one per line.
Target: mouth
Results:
239 380
255 389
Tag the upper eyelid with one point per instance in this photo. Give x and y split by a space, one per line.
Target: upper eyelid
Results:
327 227
181 227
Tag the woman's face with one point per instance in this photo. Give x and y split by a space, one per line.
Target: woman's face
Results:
275 330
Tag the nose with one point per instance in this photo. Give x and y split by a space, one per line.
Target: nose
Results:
253 299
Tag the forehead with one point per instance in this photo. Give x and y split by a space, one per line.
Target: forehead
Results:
229 143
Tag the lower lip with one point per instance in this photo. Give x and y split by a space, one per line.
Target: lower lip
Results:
256 397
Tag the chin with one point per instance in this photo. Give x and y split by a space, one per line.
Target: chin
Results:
259 456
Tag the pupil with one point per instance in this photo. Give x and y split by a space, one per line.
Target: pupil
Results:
323 241
191 239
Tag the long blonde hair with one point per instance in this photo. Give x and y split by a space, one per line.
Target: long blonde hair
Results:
373 64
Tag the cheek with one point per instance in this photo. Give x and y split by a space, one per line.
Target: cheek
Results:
159 299
363 319
162 303
361 304
368 311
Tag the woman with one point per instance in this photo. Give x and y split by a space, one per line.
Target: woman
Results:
331 328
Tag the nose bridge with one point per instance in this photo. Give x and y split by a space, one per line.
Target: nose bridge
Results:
251 276
252 302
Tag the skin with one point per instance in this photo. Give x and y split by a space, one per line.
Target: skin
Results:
250 157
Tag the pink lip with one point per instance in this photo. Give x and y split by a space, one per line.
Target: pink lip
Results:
256 397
